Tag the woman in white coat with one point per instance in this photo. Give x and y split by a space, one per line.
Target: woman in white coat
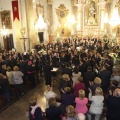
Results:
96 106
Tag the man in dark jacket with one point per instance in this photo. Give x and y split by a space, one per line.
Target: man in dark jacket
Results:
105 78
47 73
113 105
67 70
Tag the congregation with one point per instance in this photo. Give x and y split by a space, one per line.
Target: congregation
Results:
88 84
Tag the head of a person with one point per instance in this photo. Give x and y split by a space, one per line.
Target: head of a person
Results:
8 68
3 67
115 83
89 68
104 67
81 116
48 88
115 72
16 68
33 101
70 111
99 91
81 94
80 79
29 62
75 70
66 77
97 80
67 64
67 90
52 101
117 92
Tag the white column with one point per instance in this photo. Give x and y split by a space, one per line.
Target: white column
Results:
102 4
79 19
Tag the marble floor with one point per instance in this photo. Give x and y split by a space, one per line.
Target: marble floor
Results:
18 110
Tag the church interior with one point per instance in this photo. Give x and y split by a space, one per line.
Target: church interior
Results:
42 39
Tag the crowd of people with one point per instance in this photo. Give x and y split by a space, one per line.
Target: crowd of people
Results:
87 83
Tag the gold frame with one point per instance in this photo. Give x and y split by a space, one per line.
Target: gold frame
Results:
40 10
6 19
62 13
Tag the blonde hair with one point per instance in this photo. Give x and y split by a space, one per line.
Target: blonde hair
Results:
16 68
80 79
8 68
33 100
67 90
97 80
65 77
81 94
99 91
70 111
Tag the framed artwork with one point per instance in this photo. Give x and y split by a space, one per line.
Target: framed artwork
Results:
62 13
6 19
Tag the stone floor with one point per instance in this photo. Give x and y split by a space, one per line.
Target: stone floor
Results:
17 111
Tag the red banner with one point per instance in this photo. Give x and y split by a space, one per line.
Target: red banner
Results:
15 9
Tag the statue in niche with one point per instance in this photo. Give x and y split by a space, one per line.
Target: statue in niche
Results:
91 14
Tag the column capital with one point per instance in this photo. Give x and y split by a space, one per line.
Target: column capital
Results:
80 7
102 4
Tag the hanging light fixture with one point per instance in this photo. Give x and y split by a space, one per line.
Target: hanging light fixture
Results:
4 31
115 19
40 24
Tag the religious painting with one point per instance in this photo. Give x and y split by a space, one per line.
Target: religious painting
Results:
62 13
40 10
6 19
91 13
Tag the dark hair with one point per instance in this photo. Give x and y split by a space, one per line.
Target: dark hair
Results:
89 68
115 82
75 70
67 64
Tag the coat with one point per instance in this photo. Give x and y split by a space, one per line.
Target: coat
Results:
96 106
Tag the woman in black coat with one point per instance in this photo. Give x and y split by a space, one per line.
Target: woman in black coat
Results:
35 112
53 112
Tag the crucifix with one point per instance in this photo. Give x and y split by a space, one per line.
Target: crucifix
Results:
23 38
24 43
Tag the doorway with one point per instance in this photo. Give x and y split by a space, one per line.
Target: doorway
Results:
8 42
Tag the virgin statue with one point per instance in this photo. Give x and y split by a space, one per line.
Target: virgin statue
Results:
92 14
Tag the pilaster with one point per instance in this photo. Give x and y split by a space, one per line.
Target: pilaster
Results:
101 4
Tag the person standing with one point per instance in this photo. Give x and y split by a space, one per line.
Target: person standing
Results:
47 73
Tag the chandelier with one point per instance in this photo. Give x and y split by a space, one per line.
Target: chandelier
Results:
40 24
115 19
4 31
